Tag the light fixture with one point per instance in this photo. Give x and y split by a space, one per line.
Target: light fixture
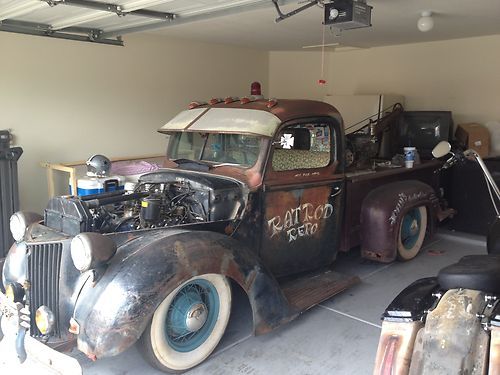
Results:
425 22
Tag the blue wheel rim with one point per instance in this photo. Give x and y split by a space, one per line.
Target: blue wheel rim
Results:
410 228
196 293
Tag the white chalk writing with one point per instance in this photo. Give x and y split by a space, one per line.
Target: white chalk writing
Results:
301 221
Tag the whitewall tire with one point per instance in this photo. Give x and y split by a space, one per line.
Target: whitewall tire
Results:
189 323
411 233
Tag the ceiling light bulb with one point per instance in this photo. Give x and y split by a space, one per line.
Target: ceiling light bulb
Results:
426 22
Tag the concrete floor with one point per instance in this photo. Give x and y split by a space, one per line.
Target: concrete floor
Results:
339 336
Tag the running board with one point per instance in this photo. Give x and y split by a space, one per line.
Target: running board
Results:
307 291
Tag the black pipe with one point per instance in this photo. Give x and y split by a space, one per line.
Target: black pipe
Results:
94 203
102 195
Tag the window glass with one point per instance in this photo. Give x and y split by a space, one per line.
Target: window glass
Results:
238 149
302 146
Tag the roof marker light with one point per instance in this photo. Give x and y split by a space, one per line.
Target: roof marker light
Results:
193 105
271 103
214 101
231 99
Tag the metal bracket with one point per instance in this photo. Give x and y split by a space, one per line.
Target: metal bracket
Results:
113 8
20 349
82 34
283 16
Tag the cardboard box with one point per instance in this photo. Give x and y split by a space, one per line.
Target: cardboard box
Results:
474 136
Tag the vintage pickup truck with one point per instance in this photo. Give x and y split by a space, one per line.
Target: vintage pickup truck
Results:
253 193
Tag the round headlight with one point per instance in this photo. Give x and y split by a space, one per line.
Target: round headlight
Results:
14 292
90 250
17 226
81 254
20 221
44 319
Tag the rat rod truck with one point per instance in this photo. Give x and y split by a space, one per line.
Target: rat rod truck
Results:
253 193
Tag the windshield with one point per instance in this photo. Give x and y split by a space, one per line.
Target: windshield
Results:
238 149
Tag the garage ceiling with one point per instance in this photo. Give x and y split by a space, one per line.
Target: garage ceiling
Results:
248 23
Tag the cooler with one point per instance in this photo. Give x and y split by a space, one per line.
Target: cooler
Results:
97 185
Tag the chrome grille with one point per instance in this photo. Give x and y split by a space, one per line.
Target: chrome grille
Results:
43 274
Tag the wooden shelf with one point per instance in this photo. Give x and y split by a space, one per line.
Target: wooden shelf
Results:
72 167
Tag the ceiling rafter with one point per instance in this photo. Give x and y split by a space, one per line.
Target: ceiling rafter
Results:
193 16
99 11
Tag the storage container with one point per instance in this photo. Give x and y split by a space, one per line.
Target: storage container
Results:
97 185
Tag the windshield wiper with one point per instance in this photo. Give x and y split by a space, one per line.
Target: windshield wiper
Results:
193 165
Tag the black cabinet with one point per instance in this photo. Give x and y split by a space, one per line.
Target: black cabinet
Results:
468 194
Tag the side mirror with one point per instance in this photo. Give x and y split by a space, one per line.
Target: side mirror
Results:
441 149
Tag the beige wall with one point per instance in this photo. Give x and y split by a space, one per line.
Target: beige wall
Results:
65 100
459 75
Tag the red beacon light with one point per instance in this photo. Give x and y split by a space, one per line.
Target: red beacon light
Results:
255 89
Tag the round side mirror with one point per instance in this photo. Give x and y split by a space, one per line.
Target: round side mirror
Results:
441 149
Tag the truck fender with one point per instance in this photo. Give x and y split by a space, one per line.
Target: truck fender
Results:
114 312
382 211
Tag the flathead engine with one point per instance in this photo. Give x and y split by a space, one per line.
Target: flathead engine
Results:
161 199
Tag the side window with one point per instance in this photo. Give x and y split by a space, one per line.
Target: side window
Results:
303 146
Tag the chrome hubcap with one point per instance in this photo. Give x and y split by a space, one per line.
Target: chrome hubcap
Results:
413 227
196 317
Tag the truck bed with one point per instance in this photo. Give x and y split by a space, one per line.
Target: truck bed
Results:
360 182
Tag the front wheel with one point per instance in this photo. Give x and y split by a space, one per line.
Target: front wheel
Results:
189 323
412 233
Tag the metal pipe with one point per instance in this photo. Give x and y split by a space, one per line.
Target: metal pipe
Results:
117 9
486 172
93 37
94 203
284 16
180 19
102 195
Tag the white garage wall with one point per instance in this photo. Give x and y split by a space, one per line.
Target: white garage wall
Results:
65 101
461 75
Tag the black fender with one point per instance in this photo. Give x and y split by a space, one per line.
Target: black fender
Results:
114 312
414 301
382 211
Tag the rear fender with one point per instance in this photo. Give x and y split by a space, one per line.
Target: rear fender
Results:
402 320
115 311
382 212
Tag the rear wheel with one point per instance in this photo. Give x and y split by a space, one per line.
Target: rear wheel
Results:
412 233
188 324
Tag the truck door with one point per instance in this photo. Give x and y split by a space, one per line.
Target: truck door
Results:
303 197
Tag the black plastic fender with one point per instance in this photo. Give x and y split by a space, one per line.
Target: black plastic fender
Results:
382 212
414 301
114 312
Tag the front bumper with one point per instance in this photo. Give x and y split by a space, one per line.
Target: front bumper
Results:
14 326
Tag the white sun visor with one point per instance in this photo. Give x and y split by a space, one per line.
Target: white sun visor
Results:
224 120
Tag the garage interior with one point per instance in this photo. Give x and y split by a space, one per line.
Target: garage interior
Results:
82 77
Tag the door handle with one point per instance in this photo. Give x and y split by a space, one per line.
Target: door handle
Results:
336 191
